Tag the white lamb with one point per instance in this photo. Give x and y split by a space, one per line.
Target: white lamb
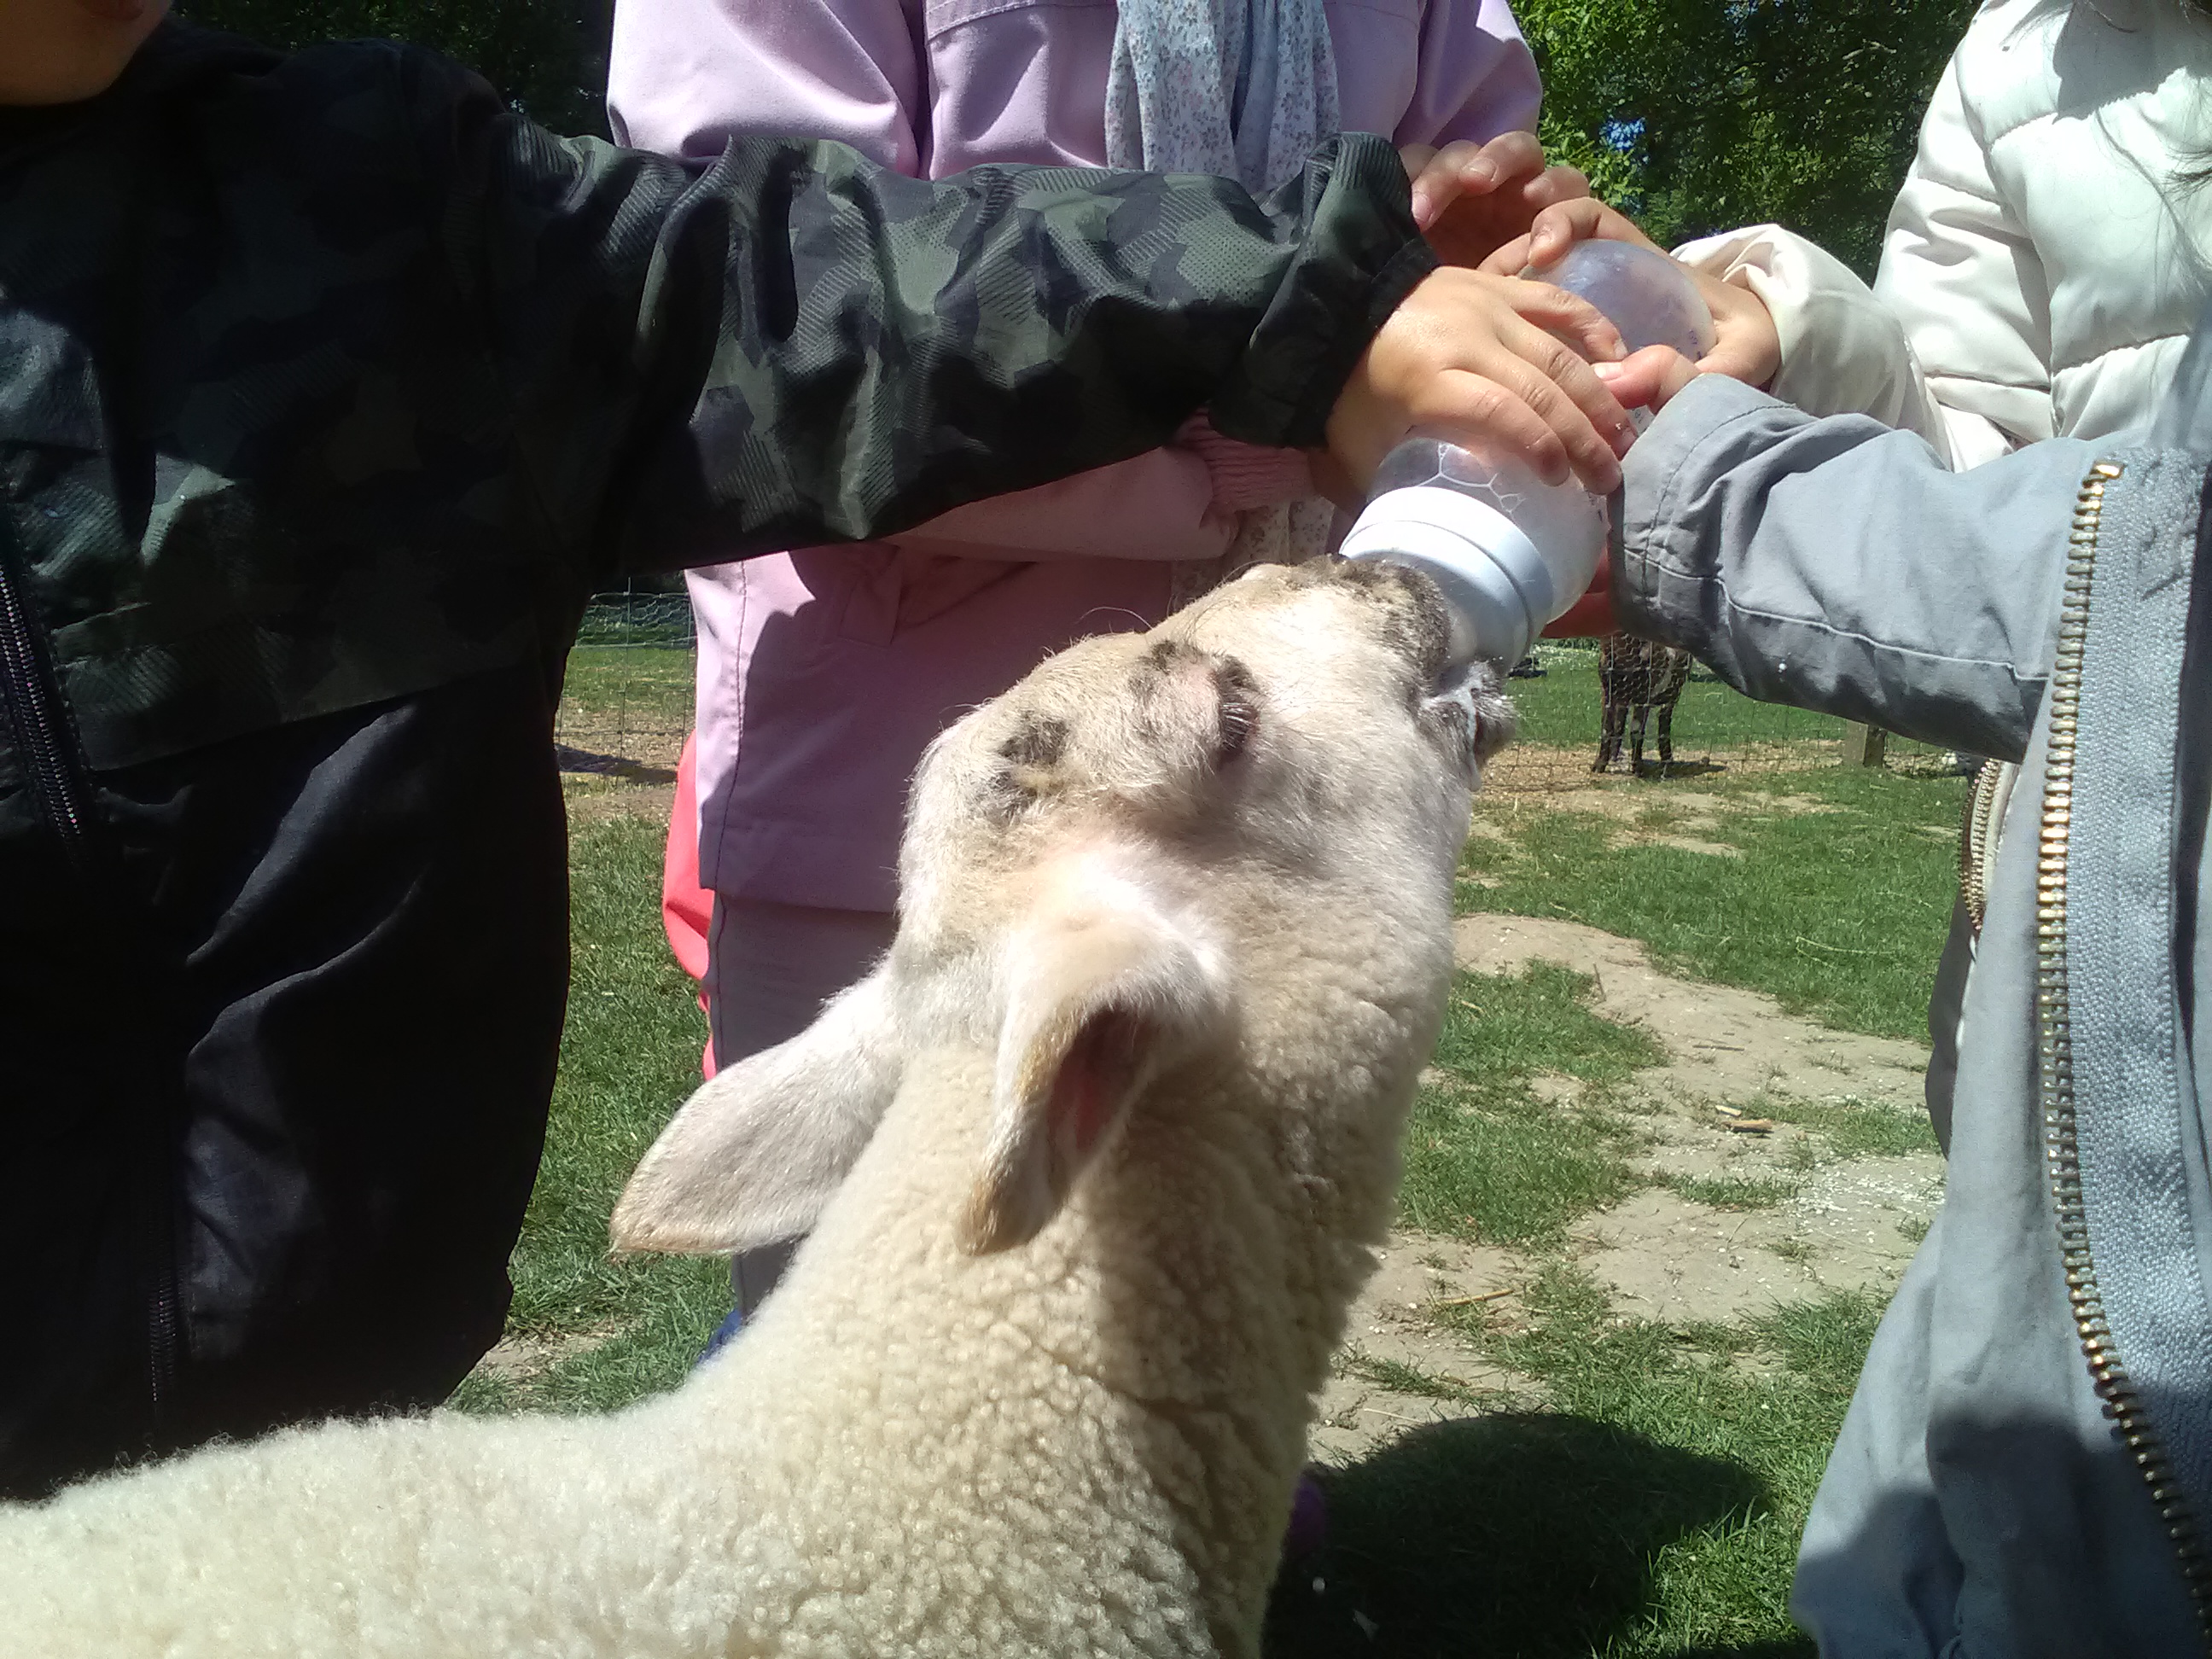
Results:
1093 1163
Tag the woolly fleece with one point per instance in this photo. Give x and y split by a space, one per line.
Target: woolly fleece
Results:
1122 1113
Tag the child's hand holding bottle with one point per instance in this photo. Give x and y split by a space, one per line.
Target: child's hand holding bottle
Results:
1747 348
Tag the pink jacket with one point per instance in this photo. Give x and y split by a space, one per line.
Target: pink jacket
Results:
825 672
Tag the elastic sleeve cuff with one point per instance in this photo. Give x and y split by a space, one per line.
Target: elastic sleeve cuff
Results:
1247 476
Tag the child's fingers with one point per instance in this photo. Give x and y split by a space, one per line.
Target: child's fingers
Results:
1569 316
1460 168
1509 156
1463 168
1509 258
1553 409
1458 350
1556 183
1577 380
1558 228
1567 396
1472 409
1436 182
1650 378
1746 346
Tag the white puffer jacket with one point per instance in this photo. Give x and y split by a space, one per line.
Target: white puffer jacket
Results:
2044 262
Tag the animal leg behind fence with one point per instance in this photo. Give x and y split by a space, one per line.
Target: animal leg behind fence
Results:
1609 742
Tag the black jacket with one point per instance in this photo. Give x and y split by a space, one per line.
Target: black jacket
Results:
328 388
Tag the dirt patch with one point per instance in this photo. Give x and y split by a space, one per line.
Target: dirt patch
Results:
1848 1225
1661 1256
597 800
1721 1044
1366 1404
1553 769
1712 849
1688 823
604 736
519 1359
1555 1089
1801 1219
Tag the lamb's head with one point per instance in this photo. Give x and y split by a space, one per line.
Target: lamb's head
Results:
1197 846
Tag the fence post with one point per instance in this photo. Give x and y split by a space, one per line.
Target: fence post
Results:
1864 745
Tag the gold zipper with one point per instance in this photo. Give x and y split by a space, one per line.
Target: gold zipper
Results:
1987 798
2054 1020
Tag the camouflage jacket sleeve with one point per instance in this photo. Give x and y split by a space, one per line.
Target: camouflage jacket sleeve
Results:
795 345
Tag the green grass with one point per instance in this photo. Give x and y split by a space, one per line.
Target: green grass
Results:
630 704
1732 1192
1402 1378
1851 1128
628 1056
1486 1158
641 678
1840 914
1653 1510
1562 709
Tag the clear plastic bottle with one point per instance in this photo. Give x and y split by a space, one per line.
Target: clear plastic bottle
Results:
1509 552
1647 297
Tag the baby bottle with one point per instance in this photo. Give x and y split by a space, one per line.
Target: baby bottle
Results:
1510 552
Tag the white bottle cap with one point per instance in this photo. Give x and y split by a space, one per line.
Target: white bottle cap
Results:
1497 587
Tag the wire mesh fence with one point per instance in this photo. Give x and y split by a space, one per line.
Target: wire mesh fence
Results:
629 703
1713 729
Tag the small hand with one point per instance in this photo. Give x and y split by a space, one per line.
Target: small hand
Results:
1476 355
1645 380
1469 198
1746 346
1649 379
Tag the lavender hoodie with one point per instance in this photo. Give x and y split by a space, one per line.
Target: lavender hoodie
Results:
823 673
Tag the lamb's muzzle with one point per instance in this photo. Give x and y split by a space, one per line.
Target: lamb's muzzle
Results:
1093 1162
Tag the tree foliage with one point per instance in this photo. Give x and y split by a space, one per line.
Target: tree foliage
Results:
1697 115
549 57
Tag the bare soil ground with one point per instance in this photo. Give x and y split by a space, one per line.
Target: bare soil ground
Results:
1846 1223
1552 769
593 797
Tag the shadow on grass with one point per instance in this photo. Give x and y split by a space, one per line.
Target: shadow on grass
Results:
1631 767
1516 1536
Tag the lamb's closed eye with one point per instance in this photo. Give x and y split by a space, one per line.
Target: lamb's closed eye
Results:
1239 712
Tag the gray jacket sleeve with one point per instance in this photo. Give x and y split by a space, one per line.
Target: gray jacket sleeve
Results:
1838 565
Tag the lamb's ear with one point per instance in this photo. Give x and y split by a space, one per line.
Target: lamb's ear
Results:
754 1155
1105 989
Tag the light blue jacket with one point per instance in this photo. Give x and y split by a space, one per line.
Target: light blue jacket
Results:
2025 1468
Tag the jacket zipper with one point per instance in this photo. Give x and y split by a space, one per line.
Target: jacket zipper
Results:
29 696
2054 1020
1987 798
